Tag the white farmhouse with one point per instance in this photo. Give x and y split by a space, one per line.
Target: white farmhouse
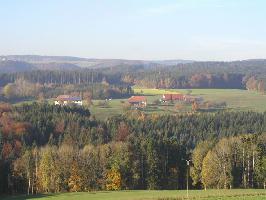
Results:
68 100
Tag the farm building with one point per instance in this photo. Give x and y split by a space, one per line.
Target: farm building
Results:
190 98
181 97
68 100
172 97
138 101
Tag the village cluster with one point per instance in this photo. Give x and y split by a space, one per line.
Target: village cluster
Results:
134 101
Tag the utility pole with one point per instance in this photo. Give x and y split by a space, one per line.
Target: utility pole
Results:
188 162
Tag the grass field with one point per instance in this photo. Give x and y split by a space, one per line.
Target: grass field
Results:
154 195
235 99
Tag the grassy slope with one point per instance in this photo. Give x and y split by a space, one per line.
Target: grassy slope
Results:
149 194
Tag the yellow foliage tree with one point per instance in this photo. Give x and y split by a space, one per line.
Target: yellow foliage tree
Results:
75 181
198 155
195 106
113 180
210 170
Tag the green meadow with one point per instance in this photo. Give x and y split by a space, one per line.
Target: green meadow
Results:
236 100
238 194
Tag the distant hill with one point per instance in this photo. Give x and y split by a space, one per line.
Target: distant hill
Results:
10 66
172 62
37 58
72 63
56 66
19 63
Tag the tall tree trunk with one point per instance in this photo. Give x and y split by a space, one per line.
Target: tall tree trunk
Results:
248 171
253 168
29 184
243 169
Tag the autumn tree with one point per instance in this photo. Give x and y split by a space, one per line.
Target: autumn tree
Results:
48 169
210 175
9 91
90 168
261 172
217 166
87 97
113 179
122 132
195 106
65 158
198 155
75 181
24 167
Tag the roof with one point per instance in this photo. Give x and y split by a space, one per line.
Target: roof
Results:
136 99
177 96
167 96
172 96
68 98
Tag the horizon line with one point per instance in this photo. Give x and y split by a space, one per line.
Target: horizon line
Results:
127 59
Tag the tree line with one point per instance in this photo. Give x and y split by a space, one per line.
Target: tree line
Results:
23 89
249 75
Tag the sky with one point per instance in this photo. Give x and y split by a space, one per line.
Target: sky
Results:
135 29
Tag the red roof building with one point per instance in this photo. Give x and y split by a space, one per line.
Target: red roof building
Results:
138 101
167 97
173 97
178 97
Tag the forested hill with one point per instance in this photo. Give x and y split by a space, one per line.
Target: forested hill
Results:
174 74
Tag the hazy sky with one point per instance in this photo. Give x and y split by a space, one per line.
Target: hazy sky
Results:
135 29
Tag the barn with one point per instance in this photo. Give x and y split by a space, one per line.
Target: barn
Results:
172 97
138 101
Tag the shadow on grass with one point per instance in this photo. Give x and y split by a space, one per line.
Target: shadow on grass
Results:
39 196
22 197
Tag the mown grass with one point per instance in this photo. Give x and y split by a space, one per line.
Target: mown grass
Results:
238 194
113 107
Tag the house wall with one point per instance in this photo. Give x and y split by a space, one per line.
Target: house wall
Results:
80 103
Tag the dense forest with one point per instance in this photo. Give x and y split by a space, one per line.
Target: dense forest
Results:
47 148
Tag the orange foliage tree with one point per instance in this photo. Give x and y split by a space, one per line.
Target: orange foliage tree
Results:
75 181
113 179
